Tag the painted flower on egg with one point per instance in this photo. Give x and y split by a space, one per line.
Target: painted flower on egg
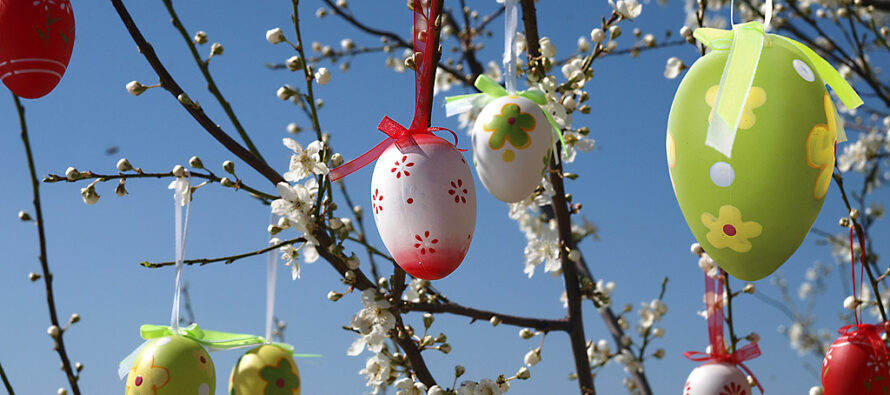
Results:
728 230
280 378
821 145
510 125
146 377
172 365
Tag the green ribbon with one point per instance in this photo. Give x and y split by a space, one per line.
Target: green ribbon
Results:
213 340
491 90
745 45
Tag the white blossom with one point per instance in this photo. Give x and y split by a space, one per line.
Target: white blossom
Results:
304 162
532 357
673 67
407 386
295 204
322 76
628 9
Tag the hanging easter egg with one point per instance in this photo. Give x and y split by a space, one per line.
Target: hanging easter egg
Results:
36 40
424 203
853 366
511 137
172 365
717 378
751 210
267 369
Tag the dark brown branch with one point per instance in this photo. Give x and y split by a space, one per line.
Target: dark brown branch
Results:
564 224
196 112
6 382
541 324
44 261
226 259
51 178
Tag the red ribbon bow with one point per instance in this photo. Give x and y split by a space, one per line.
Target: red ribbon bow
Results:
714 301
869 333
425 34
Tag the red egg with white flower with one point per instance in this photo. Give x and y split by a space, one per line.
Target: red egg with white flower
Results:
424 203
36 40
853 366
717 378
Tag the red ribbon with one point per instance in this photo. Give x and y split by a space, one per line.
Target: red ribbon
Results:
853 268
397 135
869 333
424 69
714 302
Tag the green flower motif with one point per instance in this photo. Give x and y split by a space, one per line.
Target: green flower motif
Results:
280 378
511 124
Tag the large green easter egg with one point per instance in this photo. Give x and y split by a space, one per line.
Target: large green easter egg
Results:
750 212
172 365
265 370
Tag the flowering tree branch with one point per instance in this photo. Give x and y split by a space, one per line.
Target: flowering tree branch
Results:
204 66
55 330
170 84
6 382
540 324
228 259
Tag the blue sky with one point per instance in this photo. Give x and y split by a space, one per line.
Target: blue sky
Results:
95 250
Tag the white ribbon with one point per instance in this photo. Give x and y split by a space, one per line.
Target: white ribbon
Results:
181 232
271 276
511 18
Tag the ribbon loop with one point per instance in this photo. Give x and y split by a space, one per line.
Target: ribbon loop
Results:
745 45
714 302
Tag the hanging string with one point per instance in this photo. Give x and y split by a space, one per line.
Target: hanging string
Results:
271 277
181 197
511 20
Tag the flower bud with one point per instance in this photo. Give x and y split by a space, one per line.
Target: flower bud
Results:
179 171
195 162
614 32
547 47
459 370
334 296
24 216
78 366
749 288
89 194
229 167
62 391
273 229
495 320
445 348
123 165
275 36
428 320
523 373
349 276
353 262
294 63
854 214
753 337
526 333
293 128
184 99
75 318
659 353
226 182
597 35
322 76
532 357
851 303
53 331
347 44
200 37
686 32
844 222
285 92
121 189
33 276
135 88
216 49
658 332
72 174
336 159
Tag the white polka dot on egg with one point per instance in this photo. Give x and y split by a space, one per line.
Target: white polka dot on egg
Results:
803 70
722 174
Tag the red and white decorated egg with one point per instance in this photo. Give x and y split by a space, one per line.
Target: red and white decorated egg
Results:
36 40
853 366
717 378
424 204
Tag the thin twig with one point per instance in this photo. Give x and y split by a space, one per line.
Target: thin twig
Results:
194 110
540 324
88 175
44 261
227 259
204 66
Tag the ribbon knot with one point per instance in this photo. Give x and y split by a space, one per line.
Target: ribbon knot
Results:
745 44
396 133
714 301
871 334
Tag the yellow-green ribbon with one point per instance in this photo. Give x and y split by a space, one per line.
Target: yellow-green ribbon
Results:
745 44
213 340
491 90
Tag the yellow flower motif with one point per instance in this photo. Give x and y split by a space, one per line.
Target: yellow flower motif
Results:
728 230
146 377
821 143
756 98
204 363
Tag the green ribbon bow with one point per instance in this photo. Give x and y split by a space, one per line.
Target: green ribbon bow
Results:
745 44
491 90
213 340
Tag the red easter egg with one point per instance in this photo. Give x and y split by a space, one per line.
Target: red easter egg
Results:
853 366
424 203
36 40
